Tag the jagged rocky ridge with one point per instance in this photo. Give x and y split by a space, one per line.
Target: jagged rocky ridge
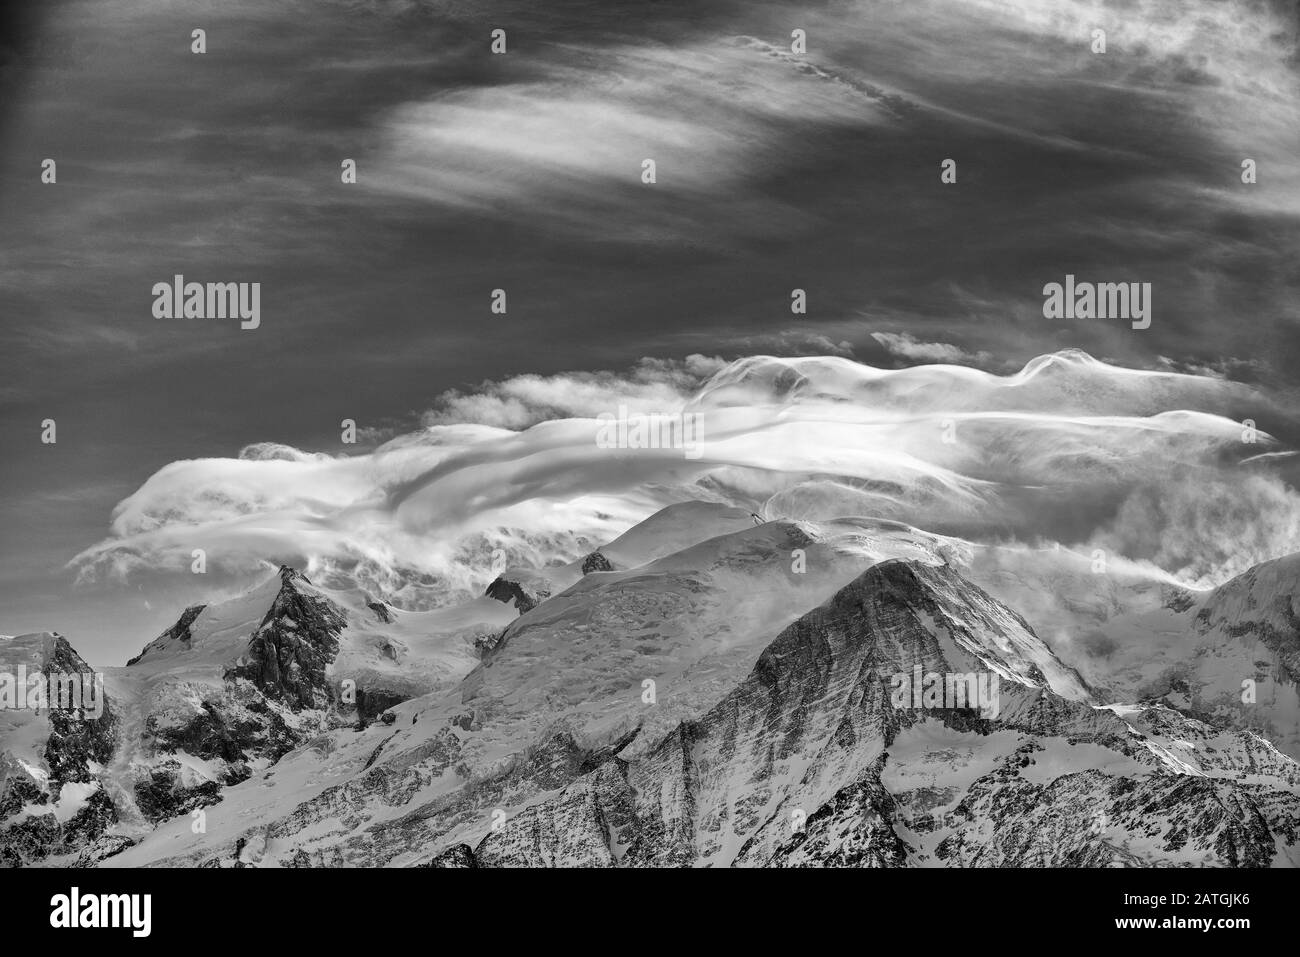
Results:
1229 654
296 642
799 765
773 739
178 633
271 699
216 698
54 806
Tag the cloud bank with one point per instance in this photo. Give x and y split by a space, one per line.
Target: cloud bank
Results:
1150 465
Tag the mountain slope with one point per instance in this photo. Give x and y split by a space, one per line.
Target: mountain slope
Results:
221 695
613 662
51 800
1230 654
778 694
807 762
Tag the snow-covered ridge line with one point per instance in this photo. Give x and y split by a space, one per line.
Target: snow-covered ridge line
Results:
311 725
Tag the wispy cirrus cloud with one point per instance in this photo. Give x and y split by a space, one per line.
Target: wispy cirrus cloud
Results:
569 144
906 346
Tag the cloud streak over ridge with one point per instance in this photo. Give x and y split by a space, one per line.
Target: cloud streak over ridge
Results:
946 448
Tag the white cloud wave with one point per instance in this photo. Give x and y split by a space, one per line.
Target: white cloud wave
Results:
1068 446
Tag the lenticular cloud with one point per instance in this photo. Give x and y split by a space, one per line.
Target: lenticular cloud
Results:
1068 449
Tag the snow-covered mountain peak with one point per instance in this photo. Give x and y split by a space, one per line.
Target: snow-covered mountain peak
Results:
679 695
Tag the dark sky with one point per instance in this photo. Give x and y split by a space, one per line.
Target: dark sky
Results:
522 172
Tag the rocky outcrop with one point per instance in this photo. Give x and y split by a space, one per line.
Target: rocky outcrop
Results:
76 737
486 644
227 688
1095 819
596 562
59 809
374 701
288 654
164 793
381 610
36 837
102 848
236 726
177 635
19 786
458 855
524 598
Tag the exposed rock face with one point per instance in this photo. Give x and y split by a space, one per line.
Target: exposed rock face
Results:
178 633
372 702
236 726
164 793
18 786
64 809
458 855
1090 819
382 611
64 806
297 639
102 848
596 562
230 687
853 829
33 838
1177 599
794 767
76 738
795 749
255 715
486 644
523 597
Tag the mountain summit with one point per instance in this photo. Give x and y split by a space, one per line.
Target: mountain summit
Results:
714 692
